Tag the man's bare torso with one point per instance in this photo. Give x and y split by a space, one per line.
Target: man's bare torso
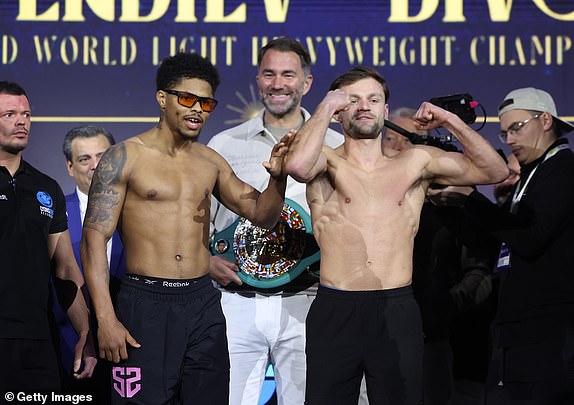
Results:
365 221
164 221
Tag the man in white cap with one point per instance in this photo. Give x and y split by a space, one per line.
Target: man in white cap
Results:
521 109
533 357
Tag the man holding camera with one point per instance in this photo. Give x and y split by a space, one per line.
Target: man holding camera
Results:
365 211
533 359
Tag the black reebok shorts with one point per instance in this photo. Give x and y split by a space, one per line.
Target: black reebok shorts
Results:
183 357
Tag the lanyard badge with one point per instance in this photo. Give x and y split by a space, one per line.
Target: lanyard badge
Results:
503 259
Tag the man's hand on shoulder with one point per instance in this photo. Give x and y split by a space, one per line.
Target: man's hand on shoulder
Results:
223 271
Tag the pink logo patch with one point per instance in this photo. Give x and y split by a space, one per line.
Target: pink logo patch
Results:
125 380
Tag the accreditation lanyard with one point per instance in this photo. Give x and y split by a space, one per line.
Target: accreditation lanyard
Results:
504 255
521 189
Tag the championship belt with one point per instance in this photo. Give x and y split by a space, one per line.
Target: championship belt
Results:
269 258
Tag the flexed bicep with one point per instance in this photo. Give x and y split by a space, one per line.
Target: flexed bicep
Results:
453 168
447 167
107 191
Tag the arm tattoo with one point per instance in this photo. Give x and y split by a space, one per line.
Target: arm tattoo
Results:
103 198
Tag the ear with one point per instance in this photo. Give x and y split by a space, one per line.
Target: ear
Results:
160 97
307 84
547 121
69 167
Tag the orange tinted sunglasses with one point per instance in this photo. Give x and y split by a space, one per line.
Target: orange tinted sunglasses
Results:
189 99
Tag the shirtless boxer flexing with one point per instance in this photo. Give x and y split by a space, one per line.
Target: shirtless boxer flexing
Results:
365 212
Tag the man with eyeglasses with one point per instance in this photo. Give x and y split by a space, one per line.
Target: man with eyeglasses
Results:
167 333
533 355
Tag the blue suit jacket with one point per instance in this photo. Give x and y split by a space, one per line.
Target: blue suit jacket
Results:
117 262
68 337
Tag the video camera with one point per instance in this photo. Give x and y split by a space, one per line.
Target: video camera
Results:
459 104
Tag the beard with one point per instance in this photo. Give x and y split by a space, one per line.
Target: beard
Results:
280 109
177 125
362 131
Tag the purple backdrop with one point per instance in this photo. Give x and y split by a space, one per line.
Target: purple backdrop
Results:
95 61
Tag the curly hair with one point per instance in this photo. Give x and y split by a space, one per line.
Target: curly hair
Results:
184 65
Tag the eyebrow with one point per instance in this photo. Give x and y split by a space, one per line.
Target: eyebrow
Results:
15 111
368 96
268 70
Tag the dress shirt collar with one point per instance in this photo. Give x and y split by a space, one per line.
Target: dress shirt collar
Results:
256 125
83 199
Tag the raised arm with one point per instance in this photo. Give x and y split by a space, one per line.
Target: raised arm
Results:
68 281
479 164
263 209
305 158
106 197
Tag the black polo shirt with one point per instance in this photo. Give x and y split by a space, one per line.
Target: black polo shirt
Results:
32 206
